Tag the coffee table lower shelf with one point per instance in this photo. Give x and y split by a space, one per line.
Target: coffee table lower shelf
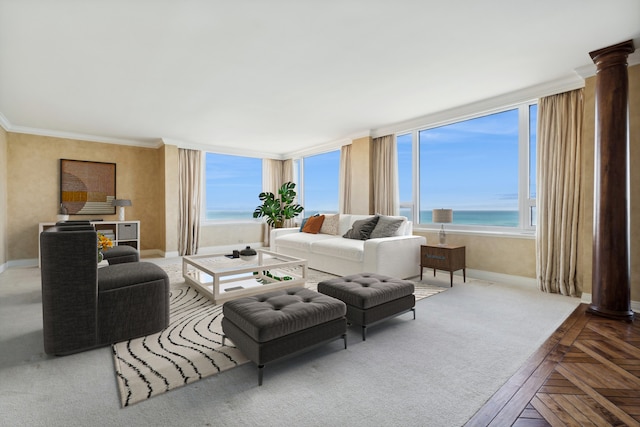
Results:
230 279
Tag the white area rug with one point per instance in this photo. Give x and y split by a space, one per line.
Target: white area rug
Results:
190 348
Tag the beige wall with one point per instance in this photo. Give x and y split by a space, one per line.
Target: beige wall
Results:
3 197
33 187
586 219
511 255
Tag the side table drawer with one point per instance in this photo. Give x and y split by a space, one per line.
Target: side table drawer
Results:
435 258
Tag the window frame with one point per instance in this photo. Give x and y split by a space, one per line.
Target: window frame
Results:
525 202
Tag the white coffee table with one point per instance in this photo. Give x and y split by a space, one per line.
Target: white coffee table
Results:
221 279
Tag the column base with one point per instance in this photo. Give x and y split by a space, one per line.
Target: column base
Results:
626 315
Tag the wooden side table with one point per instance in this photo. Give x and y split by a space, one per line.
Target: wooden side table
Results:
445 257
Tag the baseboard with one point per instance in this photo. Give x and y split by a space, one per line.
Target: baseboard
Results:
587 298
490 276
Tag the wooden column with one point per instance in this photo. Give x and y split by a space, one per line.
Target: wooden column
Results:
611 287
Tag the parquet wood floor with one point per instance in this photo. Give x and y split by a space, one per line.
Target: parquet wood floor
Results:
586 374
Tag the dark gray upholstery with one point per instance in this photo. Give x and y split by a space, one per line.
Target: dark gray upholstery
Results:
121 254
85 307
277 324
371 297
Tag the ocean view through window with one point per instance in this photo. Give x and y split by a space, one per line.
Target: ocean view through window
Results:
472 166
232 186
320 183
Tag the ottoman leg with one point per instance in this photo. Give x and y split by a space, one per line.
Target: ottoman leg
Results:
414 313
364 333
260 369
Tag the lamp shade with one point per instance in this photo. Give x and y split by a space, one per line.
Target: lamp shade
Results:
122 202
442 215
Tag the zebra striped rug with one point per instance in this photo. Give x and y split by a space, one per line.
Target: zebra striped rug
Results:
190 348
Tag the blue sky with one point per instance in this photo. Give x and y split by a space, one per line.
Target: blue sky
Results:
471 165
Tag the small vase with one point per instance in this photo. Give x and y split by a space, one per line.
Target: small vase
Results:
100 256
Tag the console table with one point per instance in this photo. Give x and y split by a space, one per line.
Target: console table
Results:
445 257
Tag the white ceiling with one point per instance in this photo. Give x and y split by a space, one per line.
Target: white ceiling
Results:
277 77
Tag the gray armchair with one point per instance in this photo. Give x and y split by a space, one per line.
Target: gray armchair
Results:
84 306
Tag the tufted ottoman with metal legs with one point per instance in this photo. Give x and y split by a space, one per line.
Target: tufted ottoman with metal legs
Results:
277 324
370 297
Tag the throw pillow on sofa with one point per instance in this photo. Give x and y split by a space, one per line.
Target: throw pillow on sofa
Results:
386 226
330 224
362 228
313 224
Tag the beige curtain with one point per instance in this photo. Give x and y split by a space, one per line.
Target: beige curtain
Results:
385 176
558 191
345 179
189 195
274 174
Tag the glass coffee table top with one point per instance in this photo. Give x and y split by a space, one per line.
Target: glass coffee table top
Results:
222 278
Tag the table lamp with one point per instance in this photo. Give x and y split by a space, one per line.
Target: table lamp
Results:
121 203
442 216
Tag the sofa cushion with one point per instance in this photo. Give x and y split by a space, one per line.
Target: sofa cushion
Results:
300 241
387 226
313 224
330 224
348 249
362 228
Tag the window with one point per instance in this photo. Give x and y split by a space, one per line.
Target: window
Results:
320 188
232 186
483 168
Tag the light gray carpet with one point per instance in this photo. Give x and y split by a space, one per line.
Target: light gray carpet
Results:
436 370
190 348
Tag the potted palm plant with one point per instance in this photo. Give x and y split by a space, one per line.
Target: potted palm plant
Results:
278 209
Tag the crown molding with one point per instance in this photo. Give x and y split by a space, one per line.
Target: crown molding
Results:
4 122
76 136
221 150
318 149
485 106
589 70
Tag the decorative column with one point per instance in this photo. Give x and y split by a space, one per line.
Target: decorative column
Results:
611 287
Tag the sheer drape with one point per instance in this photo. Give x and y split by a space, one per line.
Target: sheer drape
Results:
274 174
345 179
385 176
189 195
558 190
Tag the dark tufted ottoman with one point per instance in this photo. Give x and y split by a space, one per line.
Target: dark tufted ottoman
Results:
371 297
273 325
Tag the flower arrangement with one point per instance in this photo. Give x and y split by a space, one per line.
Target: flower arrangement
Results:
104 242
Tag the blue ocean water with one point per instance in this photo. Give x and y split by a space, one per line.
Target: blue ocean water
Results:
462 217
486 218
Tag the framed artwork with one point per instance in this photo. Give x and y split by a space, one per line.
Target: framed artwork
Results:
87 188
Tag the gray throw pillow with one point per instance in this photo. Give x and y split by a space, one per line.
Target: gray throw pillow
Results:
386 227
362 228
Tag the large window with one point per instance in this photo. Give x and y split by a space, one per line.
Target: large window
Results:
483 168
232 186
320 176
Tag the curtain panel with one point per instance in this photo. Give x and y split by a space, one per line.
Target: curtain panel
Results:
189 200
345 180
558 191
385 176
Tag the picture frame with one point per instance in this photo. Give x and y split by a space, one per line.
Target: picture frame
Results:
87 187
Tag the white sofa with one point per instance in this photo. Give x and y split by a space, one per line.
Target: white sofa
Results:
396 256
